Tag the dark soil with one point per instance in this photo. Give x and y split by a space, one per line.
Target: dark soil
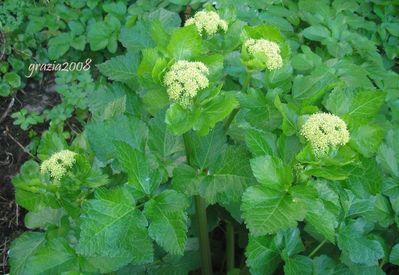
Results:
35 97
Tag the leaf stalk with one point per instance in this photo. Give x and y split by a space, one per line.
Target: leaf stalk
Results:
200 209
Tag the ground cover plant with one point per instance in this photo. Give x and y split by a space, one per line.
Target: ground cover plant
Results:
213 137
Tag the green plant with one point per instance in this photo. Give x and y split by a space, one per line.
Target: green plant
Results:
197 130
24 120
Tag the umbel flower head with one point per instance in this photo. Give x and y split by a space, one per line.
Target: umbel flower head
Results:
266 50
58 164
208 22
184 80
323 130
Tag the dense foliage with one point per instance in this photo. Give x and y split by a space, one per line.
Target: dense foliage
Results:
274 123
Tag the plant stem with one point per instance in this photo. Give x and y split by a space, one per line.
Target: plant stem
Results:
230 119
317 248
247 81
200 208
186 140
230 246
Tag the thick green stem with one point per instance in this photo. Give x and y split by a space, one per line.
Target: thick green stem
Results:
230 119
317 248
247 81
200 208
230 246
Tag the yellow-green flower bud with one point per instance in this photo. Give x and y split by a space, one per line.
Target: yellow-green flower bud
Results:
267 51
184 80
58 164
208 22
323 130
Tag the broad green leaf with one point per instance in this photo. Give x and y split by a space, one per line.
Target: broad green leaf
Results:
267 211
5 89
262 31
260 143
160 35
22 250
59 45
214 111
288 147
366 139
114 108
142 177
137 37
258 111
112 226
180 2
214 64
388 153
148 61
262 255
120 68
169 19
13 79
110 101
31 201
29 177
298 265
180 120
271 172
316 33
99 35
156 99
51 142
161 139
289 242
290 117
177 265
365 179
394 256
185 180
355 105
206 151
383 213
353 76
101 135
280 79
354 242
328 172
306 60
325 265
321 219
117 9
231 39
356 268
226 183
311 88
390 188
102 264
54 257
44 217
168 221
185 43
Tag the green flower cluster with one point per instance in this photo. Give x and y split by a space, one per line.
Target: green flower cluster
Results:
184 80
323 130
268 52
58 164
208 22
